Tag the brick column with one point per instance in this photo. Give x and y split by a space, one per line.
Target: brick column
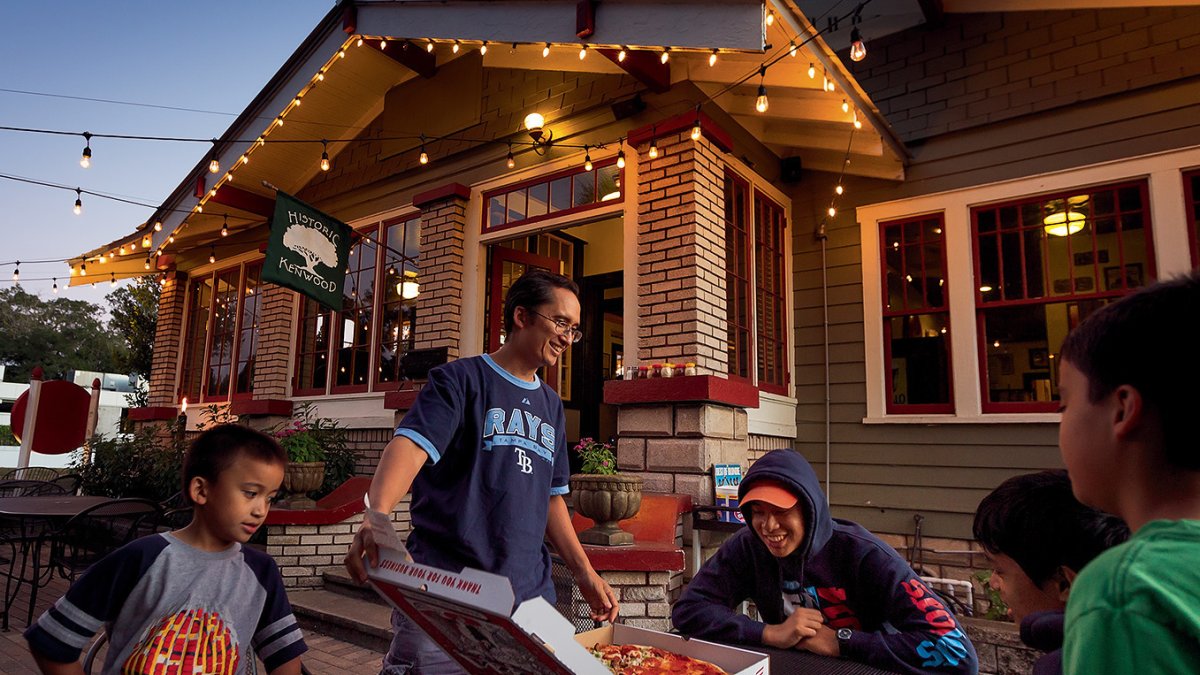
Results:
168 341
681 254
443 227
273 358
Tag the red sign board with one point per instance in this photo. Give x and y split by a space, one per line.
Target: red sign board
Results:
61 417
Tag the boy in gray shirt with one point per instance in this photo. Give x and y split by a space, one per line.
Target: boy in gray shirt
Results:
195 600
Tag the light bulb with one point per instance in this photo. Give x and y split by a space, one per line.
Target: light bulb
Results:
546 50
171 238
583 52
761 103
454 47
214 166
712 59
587 161
147 263
341 53
225 230
621 159
696 131
296 101
245 159
653 149
838 189
56 286
279 121
621 55
158 226
83 270
832 212
483 49
320 76
78 201
212 255
812 71
17 273
146 241
424 159
857 123
103 258
86 160
858 48
510 160
845 106
360 42
324 161
770 17
113 283
666 56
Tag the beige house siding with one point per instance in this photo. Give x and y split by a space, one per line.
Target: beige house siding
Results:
882 475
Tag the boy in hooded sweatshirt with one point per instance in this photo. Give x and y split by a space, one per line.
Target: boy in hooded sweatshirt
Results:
820 584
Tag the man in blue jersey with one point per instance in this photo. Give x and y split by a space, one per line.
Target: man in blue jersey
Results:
484 451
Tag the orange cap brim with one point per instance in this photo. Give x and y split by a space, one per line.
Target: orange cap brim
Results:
771 493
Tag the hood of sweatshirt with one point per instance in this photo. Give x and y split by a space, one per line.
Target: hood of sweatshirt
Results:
790 469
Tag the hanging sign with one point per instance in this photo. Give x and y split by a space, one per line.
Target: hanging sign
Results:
308 251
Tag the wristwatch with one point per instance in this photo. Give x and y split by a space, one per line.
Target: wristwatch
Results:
843 636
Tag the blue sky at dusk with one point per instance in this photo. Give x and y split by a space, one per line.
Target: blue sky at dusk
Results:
203 56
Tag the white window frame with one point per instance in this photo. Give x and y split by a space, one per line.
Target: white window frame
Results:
1162 171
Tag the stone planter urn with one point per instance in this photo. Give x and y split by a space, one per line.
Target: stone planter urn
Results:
607 500
301 478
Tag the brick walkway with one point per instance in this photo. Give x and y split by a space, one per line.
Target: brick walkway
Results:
325 656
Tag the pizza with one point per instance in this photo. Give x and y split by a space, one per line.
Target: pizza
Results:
643 660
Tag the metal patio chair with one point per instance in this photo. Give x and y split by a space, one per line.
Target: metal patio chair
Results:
31 473
29 488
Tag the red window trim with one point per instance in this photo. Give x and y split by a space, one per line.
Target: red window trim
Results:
781 333
1191 202
246 267
890 407
188 344
750 328
296 374
486 228
988 406
204 396
377 345
338 324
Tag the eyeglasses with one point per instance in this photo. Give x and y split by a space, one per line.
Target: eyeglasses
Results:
562 327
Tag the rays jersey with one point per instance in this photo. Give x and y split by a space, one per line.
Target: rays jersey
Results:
497 453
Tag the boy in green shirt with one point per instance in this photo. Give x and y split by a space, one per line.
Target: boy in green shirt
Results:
1130 387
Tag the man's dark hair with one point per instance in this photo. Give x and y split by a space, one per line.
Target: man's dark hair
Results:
533 289
216 450
1036 520
1148 340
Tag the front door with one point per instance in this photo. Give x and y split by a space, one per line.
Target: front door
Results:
507 265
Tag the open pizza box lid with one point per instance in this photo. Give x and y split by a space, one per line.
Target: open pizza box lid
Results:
730 659
470 614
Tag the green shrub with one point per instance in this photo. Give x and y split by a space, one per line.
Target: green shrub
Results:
6 435
143 464
308 438
997 609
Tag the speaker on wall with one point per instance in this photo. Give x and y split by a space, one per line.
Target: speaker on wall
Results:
789 169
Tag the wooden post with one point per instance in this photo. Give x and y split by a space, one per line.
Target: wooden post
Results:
93 415
35 390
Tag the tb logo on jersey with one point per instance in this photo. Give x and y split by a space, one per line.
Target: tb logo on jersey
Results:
524 461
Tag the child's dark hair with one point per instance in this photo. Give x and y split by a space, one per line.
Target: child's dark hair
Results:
534 288
216 449
1148 340
1036 520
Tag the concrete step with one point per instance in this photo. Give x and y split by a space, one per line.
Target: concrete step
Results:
366 624
339 581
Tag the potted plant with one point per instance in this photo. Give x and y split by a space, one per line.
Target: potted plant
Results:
305 470
604 495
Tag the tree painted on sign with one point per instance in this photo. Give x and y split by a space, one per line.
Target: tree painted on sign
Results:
313 245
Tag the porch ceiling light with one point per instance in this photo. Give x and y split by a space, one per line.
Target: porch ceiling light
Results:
1066 217
409 288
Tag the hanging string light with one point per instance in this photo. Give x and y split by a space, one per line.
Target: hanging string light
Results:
146 264
213 165
359 43
793 49
17 272
712 59
857 122
761 103
621 55
587 159
839 189
55 280
225 225
78 201
510 160
621 158
845 106
83 269
113 282
483 48
454 47
546 50
424 158
212 254
158 226
696 126
666 55
86 159
812 71
653 148
858 48
582 52
770 17
324 155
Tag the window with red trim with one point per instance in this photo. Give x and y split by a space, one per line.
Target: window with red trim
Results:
358 347
569 191
1042 265
916 316
756 285
739 304
770 284
221 338
1191 190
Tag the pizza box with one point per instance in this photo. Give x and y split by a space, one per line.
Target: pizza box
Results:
732 660
471 615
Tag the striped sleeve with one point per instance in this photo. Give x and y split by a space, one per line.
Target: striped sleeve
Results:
61 633
277 638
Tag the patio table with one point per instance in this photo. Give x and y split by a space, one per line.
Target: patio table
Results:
31 514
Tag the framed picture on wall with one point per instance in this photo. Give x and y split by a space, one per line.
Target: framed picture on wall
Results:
1039 357
1129 276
